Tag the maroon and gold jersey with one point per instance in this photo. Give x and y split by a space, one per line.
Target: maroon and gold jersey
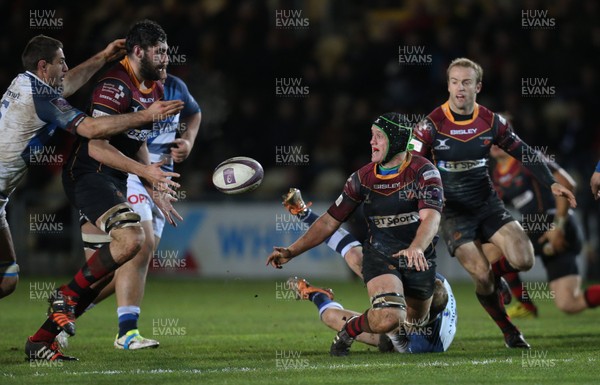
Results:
118 92
392 202
460 150
517 186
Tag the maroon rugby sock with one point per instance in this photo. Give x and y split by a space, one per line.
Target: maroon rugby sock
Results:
493 305
100 264
592 296
501 267
358 325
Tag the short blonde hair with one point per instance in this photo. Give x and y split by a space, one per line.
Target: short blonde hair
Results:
468 63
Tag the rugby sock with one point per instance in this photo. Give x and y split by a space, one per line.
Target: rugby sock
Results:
592 296
358 325
99 265
502 267
323 302
492 303
128 317
518 290
341 241
47 332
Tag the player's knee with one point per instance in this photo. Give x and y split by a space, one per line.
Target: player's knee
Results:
567 305
8 285
524 263
388 320
9 276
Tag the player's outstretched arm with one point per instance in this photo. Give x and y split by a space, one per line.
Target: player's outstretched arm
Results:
110 125
322 229
105 153
81 74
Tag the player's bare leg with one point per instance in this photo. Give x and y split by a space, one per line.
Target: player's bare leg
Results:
569 297
487 289
127 237
515 246
130 282
9 270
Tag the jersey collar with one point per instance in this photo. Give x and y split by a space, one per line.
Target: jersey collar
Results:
448 114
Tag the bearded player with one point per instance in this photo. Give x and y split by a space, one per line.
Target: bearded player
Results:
457 137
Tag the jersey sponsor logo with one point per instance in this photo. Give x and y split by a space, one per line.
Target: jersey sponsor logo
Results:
61 104
386 221
461 165
137 199
138 134
112 93
385 186
431 174
12 95
521 200
464 131
442 145
146 100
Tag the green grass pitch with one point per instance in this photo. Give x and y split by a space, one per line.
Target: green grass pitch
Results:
250 332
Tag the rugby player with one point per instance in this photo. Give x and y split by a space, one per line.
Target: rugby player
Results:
31 109
402 196
173 140
98 189
553 231
457 137
435 336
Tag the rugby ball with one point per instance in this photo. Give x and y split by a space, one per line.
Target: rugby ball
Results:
238 175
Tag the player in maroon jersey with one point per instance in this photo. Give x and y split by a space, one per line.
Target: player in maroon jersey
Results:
457 137
554 233
402 199
95 183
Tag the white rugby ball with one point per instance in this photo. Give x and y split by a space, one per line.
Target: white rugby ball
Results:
238 175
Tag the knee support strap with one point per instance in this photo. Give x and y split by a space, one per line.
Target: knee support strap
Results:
386 300
120 216
95 241
9 269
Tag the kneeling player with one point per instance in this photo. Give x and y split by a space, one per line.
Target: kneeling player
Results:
435 336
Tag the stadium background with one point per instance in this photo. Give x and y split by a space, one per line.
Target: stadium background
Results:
350 61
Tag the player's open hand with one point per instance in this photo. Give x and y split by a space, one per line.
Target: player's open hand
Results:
561 191
414 257
115 50
162 109
164 201
160 180
279 256
180 150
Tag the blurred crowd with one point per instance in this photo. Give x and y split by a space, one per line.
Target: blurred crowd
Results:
346 58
